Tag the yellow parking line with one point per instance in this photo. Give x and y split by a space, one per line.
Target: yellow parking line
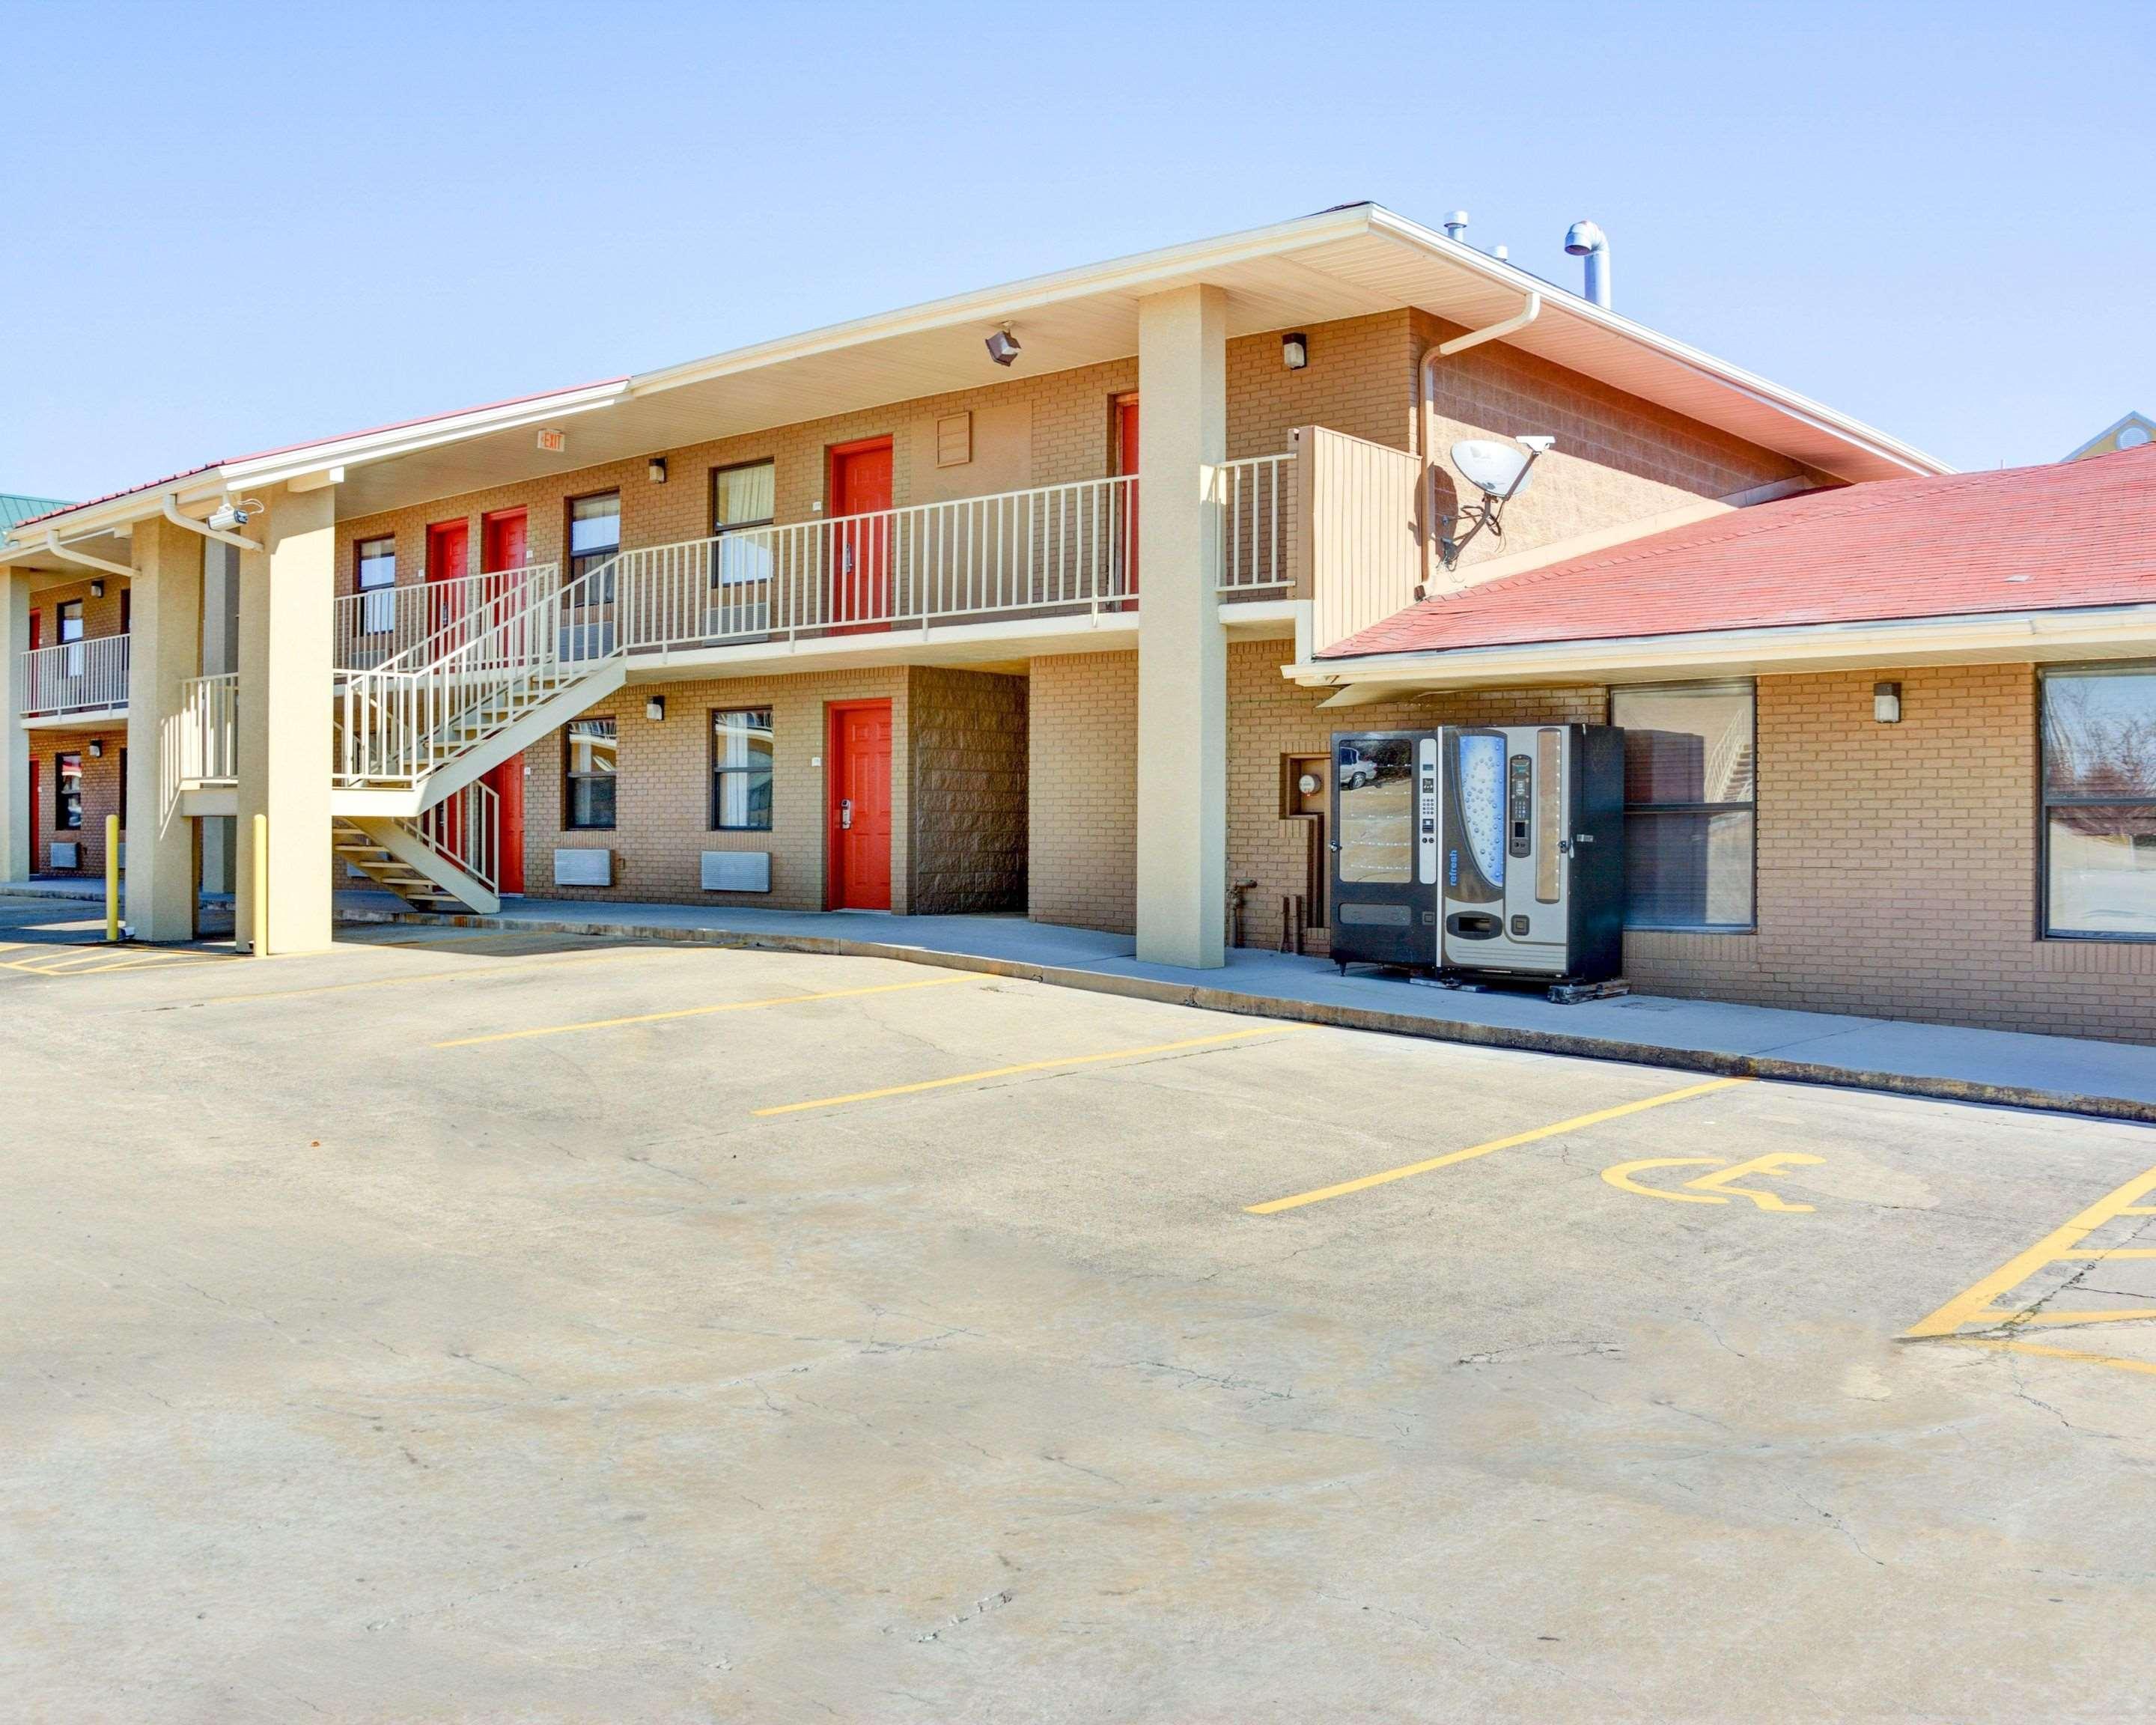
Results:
1092 1060
496 968
1575 1124
694 1012
2071 1353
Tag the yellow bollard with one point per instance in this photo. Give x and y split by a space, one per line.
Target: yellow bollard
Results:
259 940
112 877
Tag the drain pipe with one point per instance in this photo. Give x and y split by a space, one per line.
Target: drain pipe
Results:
172 515
1425 392
53 545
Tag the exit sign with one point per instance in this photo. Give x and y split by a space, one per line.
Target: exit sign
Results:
553 442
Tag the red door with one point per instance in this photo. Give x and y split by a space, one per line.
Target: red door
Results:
505 545
1126 462
859 786
860 536
448 544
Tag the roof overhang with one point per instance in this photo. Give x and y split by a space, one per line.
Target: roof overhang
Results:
2005 638
1316 269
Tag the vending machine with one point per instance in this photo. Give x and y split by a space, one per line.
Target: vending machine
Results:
1384 848
1533 825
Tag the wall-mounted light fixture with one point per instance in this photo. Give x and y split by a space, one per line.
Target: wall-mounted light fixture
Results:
654 709
1887 703
96 749
1294 351
655 470
1003 345
97 589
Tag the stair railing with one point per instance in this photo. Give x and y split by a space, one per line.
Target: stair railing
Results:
464 829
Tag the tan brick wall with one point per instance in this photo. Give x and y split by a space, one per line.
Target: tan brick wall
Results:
100 617
663 798
968 796
100 795
1082 791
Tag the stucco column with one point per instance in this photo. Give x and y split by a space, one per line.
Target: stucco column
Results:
1182 649
14 740
163 650
286 594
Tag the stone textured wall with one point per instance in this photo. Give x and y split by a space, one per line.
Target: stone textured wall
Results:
968 795
1082 791
100 795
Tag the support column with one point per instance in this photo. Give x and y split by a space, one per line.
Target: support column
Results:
15 840
286 595
220 657
164 649
1183 648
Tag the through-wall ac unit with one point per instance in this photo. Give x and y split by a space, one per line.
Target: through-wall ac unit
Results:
586 866
736 872
67 854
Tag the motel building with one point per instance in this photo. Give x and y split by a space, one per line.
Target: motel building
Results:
1049 599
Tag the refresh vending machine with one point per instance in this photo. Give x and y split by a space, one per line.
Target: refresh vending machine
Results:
1384 908
1533 843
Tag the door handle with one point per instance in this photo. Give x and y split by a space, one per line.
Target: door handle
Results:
845 814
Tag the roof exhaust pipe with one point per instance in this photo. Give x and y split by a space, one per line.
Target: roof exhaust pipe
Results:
1583 239
1456 226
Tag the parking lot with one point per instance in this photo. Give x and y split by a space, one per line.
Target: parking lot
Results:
487 1326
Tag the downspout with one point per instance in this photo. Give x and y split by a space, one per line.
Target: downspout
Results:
1425 389
53 545
172 515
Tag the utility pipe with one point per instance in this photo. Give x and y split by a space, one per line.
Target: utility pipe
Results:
1425 389
172 515
53 545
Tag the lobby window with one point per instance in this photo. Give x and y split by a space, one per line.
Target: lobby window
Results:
1689 828
588 760
66 792
740 770
743 498
2099 745
376 561
594 537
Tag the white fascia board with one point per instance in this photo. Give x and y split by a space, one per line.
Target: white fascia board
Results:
1564 303
2125 630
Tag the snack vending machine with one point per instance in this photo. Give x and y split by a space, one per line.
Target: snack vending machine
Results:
1384 847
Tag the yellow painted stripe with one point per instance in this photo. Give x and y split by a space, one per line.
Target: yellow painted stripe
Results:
697 1012
1092 1059
1973 1303
2038 1347
1578 1122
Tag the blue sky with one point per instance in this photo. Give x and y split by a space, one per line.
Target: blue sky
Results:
235 227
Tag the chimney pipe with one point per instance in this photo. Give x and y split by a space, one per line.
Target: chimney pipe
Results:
1456 226
1583 239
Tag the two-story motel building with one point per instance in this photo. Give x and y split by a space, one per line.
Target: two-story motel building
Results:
865 619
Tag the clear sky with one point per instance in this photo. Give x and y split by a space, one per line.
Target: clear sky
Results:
237 227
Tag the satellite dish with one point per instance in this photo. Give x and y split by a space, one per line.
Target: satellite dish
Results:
1495 468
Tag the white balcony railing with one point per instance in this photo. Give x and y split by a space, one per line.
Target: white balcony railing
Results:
372 627
1256 501
209 730
75 677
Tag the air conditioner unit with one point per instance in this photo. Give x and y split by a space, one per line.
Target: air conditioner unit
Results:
736 872
67 854
584 866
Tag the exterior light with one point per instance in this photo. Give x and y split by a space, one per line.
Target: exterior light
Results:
1887 703
96 749
655 470
1294 351
1003 347
97 589
654 709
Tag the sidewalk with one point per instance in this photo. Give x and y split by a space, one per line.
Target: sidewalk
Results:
2111 1079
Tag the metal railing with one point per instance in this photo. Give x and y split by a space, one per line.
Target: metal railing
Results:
1257 501
464 829
390 622
209 730
75 677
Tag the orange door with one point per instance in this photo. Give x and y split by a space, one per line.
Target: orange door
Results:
860 493
507 782
1126 462
504 547
448 547
858 877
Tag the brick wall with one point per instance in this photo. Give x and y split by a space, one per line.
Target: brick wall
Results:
100 617
968 795
100 795
1082 791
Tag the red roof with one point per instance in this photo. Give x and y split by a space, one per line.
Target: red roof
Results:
2055 538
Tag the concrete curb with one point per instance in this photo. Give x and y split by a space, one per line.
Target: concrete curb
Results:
1311 1012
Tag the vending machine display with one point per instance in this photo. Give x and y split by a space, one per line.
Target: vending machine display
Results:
1384 846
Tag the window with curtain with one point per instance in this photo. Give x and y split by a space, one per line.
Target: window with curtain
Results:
743 498
2099 793
594 537
588 757
376 560
69 617
1689 819
66 792
740 770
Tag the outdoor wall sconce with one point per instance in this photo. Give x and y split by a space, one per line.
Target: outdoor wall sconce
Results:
656 470
1294 351
1887 703
96 749
97 589
655 708
1003 347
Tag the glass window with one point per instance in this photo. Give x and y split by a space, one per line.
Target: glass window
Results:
1689 824
68 614
1377 809
66 792
742 498
2100 802
740 770
588 760
594 534
376 560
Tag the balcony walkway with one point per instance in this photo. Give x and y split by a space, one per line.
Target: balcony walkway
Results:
2111 1079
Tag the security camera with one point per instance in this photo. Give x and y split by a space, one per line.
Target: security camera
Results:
228 519
1002 347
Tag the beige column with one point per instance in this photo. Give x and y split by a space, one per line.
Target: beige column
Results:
286 594
14 740
1182 649
164 649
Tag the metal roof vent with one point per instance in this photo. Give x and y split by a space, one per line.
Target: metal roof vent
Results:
1456 226
1583 239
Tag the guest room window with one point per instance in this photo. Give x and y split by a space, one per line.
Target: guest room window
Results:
378 575
743 499
740 770
587 759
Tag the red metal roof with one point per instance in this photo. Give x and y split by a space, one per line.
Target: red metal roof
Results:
2053 538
